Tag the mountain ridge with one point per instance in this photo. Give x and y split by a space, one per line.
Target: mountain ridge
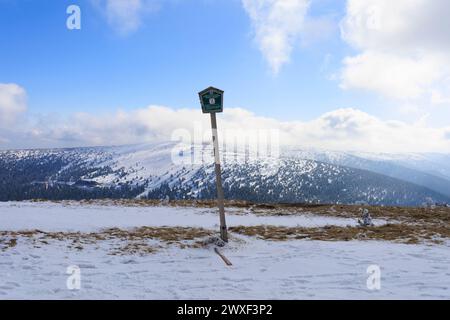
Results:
148 170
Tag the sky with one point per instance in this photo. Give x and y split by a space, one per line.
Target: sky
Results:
367 75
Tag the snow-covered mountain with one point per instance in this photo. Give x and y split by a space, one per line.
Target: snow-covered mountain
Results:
160 171
429 170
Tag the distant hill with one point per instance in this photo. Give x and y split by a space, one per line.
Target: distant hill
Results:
147 171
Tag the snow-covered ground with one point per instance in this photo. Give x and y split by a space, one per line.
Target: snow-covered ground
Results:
295 269
70 216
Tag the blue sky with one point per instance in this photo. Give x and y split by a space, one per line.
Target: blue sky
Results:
178 47
181 48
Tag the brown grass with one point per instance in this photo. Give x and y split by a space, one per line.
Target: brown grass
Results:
406 225
134 239
135 248
391 232
7 243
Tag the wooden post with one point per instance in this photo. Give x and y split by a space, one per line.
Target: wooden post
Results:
220 196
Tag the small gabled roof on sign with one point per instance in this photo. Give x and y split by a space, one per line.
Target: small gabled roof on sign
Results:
210 89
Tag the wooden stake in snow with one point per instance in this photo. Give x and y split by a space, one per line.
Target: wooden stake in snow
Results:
211 100
227 262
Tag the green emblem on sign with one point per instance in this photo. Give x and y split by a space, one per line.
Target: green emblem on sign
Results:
211 100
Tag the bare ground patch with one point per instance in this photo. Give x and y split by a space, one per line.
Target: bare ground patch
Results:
7 243
142 240
147 240
409 234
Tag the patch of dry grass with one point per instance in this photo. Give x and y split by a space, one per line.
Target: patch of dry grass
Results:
7 243
134 240
391 232
412 225
134 248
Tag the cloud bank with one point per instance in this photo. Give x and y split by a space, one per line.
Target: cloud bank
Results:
12 103
341 129
403 48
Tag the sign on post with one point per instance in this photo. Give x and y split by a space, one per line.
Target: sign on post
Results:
211 100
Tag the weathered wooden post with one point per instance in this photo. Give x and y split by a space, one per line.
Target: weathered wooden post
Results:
211 100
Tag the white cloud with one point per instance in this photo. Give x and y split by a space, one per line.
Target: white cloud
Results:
146 124
277 25
395 76
125 16
12 103
342 129
352 129
403 46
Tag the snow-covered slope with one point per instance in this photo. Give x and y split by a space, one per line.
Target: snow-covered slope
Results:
32 267
150 170
428 170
